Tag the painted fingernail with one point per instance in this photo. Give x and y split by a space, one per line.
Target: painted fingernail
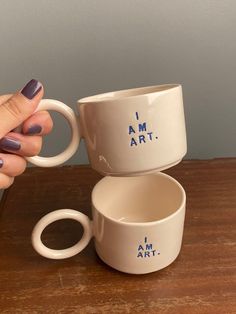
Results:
1 162
34 129
9 144
31 89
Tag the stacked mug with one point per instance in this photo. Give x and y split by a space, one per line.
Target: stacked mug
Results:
138 211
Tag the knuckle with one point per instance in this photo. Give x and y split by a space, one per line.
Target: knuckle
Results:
50 122
48 126
6 181
10 182
46 122
48 117
13 108
22 167
36 147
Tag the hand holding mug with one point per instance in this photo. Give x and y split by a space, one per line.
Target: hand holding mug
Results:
130 132
17 109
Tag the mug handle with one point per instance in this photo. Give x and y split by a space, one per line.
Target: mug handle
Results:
68 113
58 215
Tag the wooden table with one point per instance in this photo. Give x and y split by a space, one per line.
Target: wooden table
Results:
201 280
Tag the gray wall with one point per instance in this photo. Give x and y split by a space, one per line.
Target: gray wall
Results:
82 47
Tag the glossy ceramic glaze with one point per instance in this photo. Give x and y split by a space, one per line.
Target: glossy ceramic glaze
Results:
137 223
127 133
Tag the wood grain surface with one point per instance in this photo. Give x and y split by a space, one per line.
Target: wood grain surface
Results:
201 280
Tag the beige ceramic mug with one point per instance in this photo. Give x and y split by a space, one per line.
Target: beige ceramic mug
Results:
129 132
137 223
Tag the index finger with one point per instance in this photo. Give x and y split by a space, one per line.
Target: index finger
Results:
20 106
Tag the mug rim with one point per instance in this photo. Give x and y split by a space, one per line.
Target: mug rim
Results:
118 94
147 223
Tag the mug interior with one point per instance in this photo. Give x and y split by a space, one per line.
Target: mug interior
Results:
138 199
127 93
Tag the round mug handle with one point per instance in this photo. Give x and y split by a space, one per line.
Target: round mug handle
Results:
68 113
58 215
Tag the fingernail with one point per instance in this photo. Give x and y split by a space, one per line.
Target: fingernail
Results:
9 144
1 162
31 89
34 129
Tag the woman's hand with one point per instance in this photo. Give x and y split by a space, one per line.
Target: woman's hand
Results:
15 110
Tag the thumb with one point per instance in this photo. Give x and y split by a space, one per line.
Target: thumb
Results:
20 106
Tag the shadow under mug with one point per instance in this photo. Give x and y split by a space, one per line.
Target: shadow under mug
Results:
129 132
137 223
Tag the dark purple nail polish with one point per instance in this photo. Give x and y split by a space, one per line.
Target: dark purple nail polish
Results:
8 143
1 162
31 89
34 129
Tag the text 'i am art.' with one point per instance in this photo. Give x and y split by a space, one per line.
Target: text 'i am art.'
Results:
146 250
140 133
